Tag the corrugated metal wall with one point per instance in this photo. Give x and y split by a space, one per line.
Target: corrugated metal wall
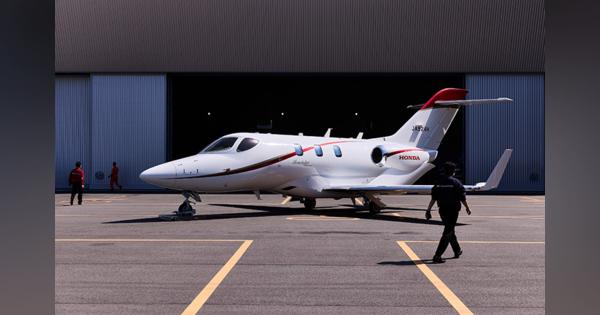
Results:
489 129
300 36
73 124
128 126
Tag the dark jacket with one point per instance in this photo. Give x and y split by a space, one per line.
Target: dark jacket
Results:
448 193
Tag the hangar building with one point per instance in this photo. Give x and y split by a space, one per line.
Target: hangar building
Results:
141 82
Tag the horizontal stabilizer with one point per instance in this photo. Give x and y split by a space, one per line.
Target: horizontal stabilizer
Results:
464 102
475 101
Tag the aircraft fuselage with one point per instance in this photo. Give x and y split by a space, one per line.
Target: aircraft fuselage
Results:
298 166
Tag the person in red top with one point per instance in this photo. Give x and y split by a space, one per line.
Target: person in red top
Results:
76 182
114 177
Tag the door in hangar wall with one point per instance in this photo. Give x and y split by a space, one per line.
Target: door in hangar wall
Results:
206 107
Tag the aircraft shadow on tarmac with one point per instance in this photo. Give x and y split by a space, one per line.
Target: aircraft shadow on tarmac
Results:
411 262
267 210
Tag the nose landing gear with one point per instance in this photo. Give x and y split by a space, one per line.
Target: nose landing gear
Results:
185 210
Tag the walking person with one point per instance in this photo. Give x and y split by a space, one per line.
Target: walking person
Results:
76 182
114 177
449 193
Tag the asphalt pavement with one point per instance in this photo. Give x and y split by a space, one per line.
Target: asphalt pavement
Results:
241 255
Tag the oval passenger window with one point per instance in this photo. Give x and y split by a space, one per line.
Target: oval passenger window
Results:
337 151
298 149
318 150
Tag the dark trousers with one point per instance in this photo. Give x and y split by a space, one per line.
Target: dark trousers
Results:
449 235
76 189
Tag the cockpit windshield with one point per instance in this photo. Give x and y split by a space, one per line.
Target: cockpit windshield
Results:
221 144
247 144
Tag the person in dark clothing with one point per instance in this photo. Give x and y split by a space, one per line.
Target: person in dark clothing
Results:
76 182
449 194
114 177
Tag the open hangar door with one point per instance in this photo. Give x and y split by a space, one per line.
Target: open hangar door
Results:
205 107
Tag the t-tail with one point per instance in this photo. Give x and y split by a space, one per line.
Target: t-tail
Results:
428 126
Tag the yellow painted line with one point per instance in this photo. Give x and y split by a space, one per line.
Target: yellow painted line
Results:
523 206
286 200
484 242
504 216
141 240
537 217
458 305
321 218
533 199
208 290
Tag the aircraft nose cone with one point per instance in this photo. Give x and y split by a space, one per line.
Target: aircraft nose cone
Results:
159 175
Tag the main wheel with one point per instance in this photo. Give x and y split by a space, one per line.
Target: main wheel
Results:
374 208
310 203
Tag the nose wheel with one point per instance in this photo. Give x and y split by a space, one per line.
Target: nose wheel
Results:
185 210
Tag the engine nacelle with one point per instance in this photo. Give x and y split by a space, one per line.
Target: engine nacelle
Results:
403 159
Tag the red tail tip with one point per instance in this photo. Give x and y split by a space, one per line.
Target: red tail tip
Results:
447 94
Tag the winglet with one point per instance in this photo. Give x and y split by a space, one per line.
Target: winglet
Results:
494 179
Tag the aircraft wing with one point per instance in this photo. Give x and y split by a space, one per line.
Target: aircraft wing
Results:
491 183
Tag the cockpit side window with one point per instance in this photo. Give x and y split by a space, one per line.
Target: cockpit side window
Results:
221 144
247 144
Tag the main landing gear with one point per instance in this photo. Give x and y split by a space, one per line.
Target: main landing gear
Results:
373 204
185 210
309 203
373 207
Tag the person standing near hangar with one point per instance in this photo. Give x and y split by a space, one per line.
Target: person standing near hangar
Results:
76 182
449 194
114 177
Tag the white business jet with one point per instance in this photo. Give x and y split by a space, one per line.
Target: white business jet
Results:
305 168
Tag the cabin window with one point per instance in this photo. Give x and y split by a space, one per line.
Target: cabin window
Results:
318 150
337 151
298 149
247 144
221 144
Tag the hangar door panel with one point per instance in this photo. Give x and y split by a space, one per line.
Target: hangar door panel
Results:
128 126
73 102
518 125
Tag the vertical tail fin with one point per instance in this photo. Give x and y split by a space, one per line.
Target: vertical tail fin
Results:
427 127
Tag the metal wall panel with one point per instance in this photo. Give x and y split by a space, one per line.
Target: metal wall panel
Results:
489 129
72 113
300 36
128 126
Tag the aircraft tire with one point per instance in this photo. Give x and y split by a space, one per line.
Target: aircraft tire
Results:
374 208
185 210
310 203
